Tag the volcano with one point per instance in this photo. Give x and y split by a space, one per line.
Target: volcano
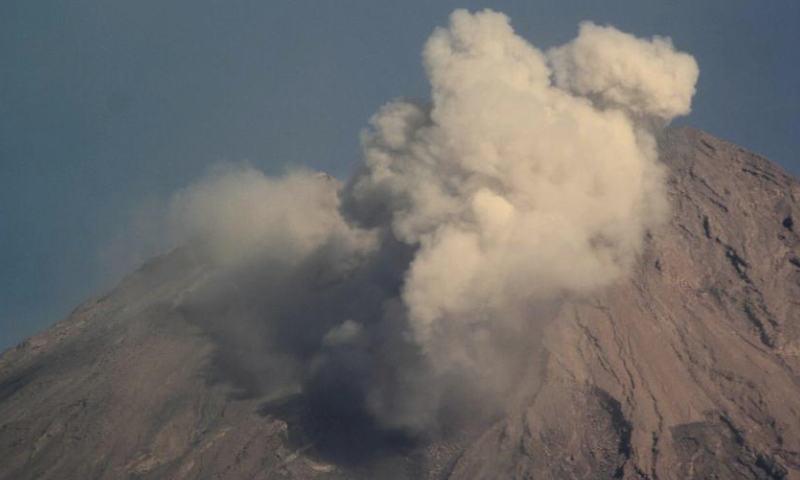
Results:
688 367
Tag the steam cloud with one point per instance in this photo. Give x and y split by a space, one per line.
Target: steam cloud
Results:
417 289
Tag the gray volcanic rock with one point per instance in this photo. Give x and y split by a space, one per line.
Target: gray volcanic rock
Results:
687 369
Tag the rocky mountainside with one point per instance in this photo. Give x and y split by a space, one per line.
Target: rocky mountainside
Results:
689 369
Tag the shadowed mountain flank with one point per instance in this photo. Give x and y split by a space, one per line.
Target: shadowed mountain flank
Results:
687 367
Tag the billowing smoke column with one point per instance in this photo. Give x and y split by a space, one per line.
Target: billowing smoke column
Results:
418 289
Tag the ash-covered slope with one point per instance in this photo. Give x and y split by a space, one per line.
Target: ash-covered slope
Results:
688 368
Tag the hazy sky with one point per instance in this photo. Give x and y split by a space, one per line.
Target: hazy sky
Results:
107 107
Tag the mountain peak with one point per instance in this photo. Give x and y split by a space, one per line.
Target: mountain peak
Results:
688 367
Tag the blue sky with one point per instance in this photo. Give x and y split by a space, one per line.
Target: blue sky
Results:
107 107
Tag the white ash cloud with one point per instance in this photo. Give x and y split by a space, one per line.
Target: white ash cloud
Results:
622 71
515 188
348 332
237 215
529 176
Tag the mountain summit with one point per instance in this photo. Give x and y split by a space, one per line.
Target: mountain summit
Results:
688 367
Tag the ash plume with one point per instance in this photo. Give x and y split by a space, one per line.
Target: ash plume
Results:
414 294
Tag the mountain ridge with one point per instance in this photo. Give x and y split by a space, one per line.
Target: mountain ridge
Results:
687 367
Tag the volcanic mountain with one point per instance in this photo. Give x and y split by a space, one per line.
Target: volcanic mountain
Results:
686 368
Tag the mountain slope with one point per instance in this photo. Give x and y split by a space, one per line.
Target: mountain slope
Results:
693 362
689 367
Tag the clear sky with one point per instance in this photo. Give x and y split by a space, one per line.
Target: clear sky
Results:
107 107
